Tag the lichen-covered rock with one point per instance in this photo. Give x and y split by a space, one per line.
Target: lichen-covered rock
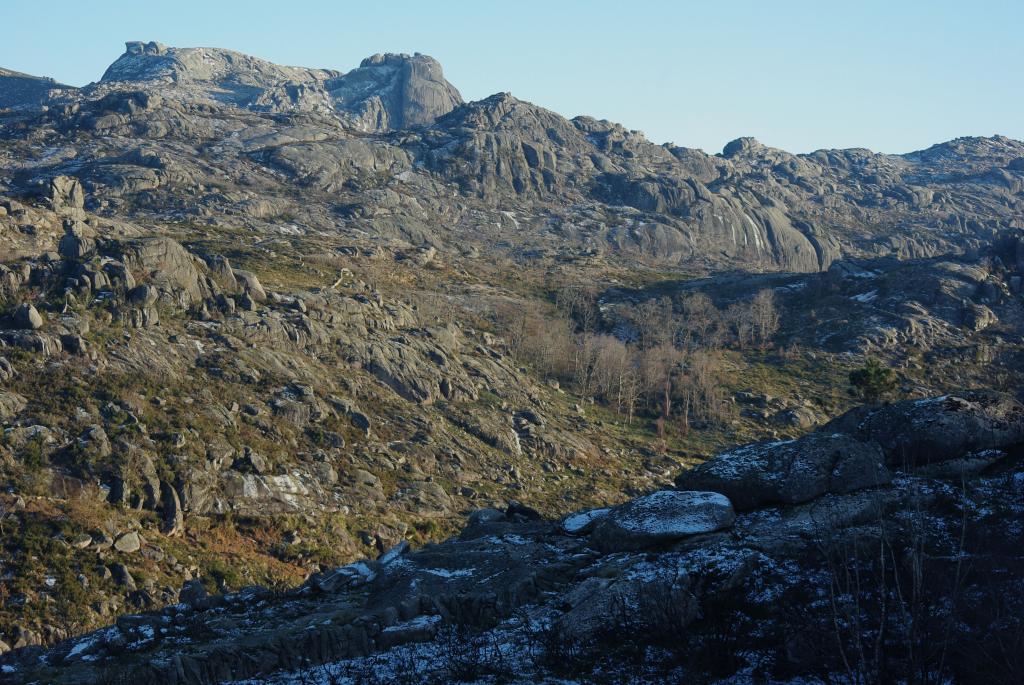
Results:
173 518
168 267
128 543
67 196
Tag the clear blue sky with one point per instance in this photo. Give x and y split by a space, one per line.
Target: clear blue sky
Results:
893 76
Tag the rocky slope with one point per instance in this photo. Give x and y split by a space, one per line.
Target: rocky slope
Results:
19 90
759 554
259 321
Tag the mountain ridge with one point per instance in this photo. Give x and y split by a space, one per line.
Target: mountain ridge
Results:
157 49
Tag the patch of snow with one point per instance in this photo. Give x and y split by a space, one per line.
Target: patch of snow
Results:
417 622
574 523
450 573
930 400
81 647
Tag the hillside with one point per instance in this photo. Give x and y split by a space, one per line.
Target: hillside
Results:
258 322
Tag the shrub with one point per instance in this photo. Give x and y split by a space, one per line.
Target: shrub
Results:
873 381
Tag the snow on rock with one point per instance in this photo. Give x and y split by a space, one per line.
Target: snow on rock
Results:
356 573
921 432
394 553
661 517
582 522
450 573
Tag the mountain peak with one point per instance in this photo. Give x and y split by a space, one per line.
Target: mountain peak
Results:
138 47
155 61
746 145
387 91
396 59
397 90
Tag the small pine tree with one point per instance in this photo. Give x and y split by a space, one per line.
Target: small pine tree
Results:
873 381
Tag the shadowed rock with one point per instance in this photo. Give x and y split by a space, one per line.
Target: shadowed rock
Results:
791 471
919 432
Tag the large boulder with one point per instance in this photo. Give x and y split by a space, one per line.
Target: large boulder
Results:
790 471
26 317
7 371
919 432
173 519
76 243
10 404
661 517
250 284
67 196
128 543
392 92
168 267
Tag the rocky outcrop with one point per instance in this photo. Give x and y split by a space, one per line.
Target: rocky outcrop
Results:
67 197
19 90
790 472
385 93
11 403
27 317
219 71
393 92
929 431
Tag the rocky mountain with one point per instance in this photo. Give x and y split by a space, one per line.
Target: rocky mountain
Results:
579 187
260 325
386 92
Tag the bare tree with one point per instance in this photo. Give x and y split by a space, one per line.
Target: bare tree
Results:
764 316
699 390
701 323
579 303
741 323
616 374
658 367
653 322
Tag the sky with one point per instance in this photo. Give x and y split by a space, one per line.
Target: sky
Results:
891 76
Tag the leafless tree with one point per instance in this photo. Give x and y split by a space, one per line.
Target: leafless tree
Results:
579 304
654 322
659 366
701 322
764 316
